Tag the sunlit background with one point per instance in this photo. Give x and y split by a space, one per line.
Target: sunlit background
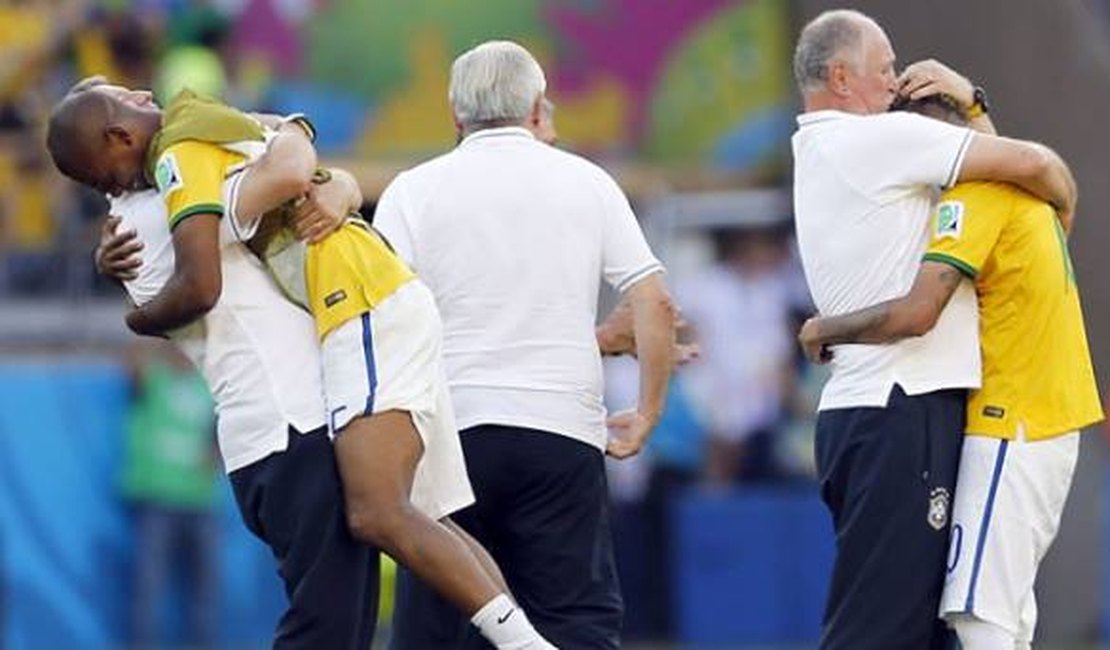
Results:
721 539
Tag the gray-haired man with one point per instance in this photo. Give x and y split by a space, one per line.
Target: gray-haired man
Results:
514 237
891 417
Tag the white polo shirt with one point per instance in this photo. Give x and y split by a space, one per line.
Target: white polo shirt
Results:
864 187
256 350
514 237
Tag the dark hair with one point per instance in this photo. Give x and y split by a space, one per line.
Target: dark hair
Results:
939 107
88 83
74 123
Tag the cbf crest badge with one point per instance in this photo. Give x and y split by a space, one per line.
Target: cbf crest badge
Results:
938 508
950 219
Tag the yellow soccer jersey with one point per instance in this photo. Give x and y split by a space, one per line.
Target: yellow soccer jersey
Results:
351 272
1036 365
190 177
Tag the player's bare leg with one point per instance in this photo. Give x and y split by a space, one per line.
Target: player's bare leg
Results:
377 456
480 553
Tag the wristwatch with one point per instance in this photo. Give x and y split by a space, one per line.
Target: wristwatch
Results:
979 104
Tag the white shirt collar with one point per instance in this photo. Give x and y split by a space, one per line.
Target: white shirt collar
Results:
813 117
503 131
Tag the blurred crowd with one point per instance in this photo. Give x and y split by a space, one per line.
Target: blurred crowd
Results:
48 225
739 417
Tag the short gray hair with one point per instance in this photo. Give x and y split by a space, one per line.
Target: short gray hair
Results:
833 34
496 82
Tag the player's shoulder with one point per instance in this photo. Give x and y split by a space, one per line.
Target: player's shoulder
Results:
188 152
990 193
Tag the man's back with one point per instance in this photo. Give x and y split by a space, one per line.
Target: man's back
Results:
863 189
1036 365
513 237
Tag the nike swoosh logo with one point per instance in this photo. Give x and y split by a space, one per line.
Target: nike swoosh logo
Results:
502 619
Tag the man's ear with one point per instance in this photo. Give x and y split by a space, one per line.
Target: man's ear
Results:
838 78
535 118
116 134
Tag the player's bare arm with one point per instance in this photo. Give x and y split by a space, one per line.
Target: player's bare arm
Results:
326 206
282 174
1031 166
911 315
931 77
653 324
195 286
193 289
615 335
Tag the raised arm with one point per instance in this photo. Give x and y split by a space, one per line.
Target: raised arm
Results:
911 315
653 316
282 174
931 77
1031 166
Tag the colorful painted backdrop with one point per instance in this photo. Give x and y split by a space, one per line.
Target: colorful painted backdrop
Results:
678 82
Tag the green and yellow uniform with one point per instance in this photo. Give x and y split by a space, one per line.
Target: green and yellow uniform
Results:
203 144
1037 371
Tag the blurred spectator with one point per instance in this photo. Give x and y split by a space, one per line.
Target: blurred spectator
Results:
196 52
742 309
29 203
118 43
643 490
170 479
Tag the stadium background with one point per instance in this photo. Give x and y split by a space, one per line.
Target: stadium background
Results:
689 103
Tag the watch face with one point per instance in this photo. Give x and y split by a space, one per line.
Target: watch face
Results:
980 97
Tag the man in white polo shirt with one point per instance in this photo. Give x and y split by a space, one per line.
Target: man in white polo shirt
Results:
253 348
513 237
891 419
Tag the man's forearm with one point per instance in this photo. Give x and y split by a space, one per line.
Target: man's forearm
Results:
653 316
175 306
195 285
1060 183
615 334
873 324
911 315
350 187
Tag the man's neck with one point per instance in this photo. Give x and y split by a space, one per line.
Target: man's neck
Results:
486 125
827 101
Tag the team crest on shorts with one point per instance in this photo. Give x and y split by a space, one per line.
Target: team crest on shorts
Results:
938 508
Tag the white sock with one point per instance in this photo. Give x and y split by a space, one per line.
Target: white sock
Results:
977 634
504 624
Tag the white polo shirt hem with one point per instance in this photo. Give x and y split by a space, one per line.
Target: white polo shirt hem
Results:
864 188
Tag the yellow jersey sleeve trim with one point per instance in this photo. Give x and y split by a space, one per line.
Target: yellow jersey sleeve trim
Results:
214 208
960 265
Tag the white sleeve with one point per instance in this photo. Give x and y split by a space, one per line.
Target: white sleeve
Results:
626 257
242 229
391 219
895 151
